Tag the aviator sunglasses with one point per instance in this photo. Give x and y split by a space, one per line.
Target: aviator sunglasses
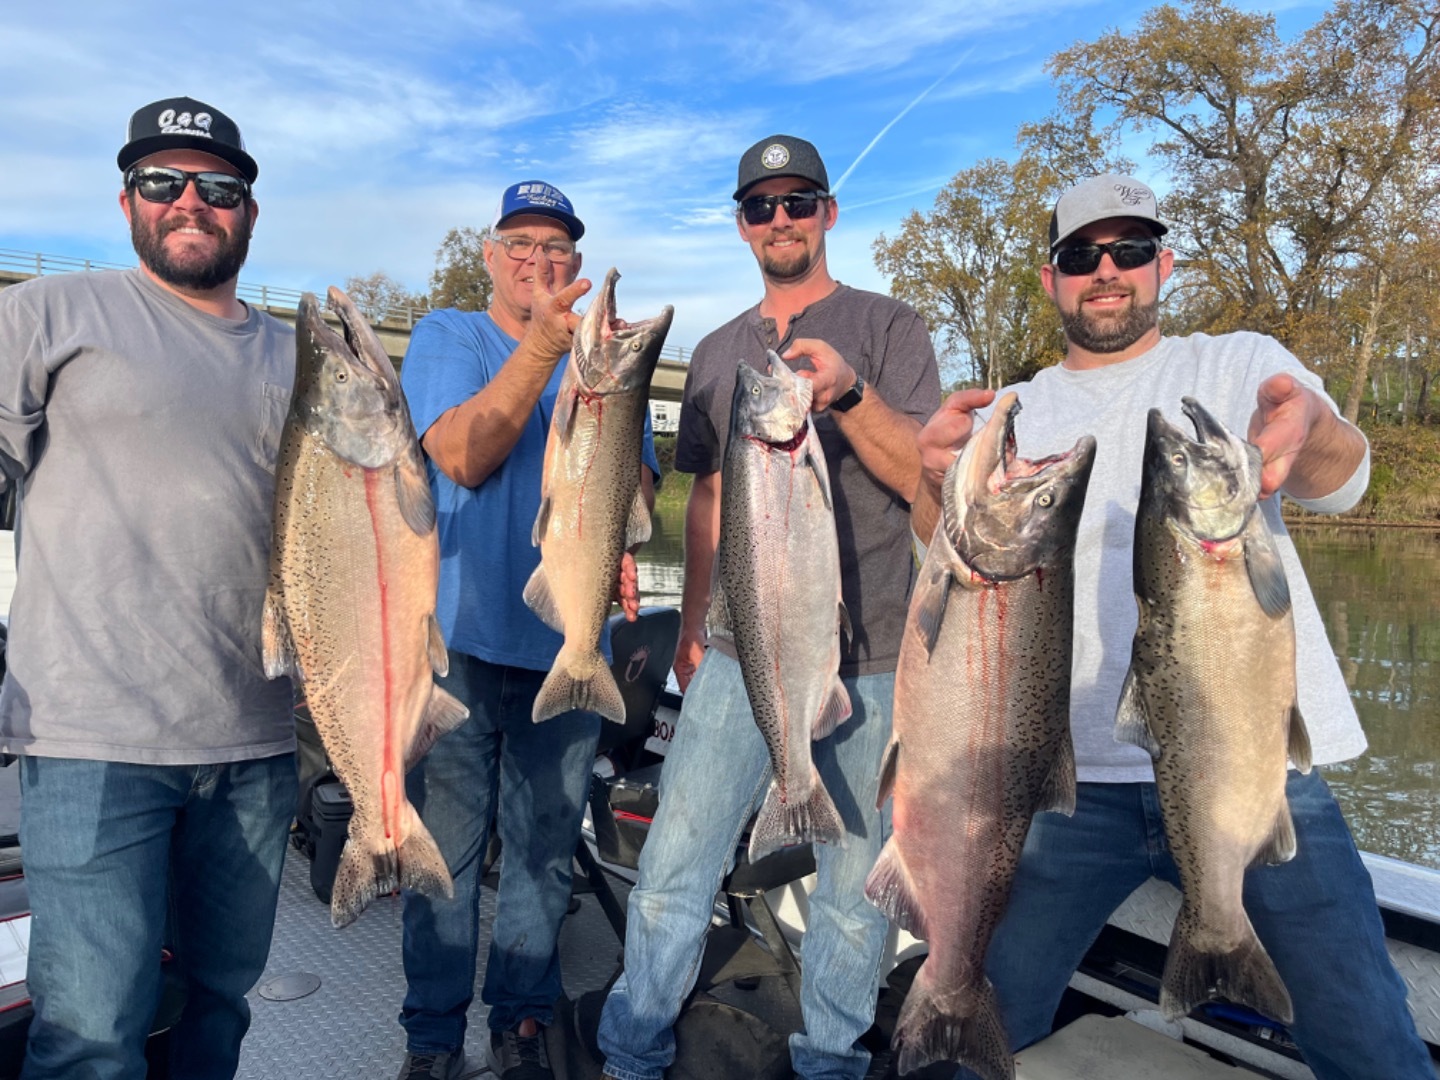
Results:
1128 254
157 184
760 209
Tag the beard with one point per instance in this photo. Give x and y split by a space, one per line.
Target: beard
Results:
788 267
189 271
1109 332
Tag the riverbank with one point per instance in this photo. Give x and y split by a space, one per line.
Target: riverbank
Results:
1404 479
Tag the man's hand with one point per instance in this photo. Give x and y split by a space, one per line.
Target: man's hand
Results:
946 433
1287 412
627 588
688 655
552 322
831 378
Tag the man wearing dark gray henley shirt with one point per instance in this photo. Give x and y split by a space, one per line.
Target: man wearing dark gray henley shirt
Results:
140 413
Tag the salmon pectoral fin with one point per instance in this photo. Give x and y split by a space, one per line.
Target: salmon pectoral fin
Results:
925 1033
1300 752
276 646
822 479
834 712
1132 719
412 490
542 521
845 627
443 714
540 600
1058 791
889 888
637 529
780 824
587 685
717 619
435 646
888 765
1245 975
1281 845
931 593
1267 572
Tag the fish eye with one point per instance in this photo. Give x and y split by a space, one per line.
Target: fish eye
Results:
755 391
1177 459
635 345
341 375
1045 499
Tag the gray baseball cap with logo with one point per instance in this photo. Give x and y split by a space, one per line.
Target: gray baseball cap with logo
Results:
1108 196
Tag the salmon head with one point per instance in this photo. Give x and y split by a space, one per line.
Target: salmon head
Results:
1208 486
346 391
1005 515
770 408
612 356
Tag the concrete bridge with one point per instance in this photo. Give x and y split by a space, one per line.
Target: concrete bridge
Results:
394 329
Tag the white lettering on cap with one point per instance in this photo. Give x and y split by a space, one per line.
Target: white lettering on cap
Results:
775 156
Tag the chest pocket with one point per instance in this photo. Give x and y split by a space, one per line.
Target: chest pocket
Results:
274 404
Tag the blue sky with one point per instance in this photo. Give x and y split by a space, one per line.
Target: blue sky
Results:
379 126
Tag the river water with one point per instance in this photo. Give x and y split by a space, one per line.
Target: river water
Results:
1379 593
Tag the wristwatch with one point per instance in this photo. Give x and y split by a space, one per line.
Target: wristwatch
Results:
848 400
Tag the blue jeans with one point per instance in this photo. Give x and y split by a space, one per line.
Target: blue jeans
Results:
122 859
715 777
1315 915
539 776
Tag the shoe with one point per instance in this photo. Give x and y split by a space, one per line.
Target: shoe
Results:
520 1057
433 1066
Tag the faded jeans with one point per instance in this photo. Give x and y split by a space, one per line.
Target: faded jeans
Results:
538 776
122 859
714 778
1315 915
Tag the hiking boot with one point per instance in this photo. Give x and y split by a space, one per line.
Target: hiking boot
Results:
434 1066
520 1057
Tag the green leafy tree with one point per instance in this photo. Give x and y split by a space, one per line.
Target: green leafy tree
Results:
460 279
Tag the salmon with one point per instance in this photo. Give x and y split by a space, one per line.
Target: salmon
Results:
350 608
981 739
592 508
1211 695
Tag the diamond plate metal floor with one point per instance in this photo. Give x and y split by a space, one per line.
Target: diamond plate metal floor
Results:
348 1028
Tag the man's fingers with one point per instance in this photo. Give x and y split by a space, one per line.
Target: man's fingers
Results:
566 297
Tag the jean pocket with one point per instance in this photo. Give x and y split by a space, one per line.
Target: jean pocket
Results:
274 405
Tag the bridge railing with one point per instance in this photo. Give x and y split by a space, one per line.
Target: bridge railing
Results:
264 296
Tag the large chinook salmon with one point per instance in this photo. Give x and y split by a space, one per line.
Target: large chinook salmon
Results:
1211 695
350 610
592 508
777 594
981 738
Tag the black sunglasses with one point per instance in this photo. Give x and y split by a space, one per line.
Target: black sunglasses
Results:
1128 254
163 185
760 209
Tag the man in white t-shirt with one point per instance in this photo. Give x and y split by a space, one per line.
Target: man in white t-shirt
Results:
1316 915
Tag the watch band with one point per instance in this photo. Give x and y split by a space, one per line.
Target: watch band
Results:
852 397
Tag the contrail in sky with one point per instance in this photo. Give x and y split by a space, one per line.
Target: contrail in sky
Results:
835 188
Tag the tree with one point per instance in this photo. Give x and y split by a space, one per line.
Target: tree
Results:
460 279
379 294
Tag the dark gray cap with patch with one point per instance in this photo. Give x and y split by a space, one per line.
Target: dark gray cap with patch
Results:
780 155
1108 196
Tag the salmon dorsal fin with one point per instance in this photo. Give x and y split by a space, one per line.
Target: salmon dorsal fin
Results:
834 712
443 713
1267 572
412 488
541 600
276 646
1132 719
637 529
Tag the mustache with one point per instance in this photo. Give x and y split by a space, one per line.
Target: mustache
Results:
171 224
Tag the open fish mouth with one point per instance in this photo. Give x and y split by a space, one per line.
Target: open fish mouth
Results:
605 343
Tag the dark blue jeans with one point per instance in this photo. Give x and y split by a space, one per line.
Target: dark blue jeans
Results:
121 859
537 775
1315 915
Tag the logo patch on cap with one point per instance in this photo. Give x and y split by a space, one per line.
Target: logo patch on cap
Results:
775 156
1133 195
184 124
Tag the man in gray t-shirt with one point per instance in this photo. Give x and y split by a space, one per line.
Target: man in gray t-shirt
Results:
140 414
873 369
1316 914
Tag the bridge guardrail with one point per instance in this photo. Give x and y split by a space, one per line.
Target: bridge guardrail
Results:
265 296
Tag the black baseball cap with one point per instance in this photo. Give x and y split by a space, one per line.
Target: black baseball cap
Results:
183 123
781 155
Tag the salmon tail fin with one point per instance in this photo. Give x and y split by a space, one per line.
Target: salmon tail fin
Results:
422 867
924 1033
888 888
811 820
834 712
587 685
1244 975
443 714
363 874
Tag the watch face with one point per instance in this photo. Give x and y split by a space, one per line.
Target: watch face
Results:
852 397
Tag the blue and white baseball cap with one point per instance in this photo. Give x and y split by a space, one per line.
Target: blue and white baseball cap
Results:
539 198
